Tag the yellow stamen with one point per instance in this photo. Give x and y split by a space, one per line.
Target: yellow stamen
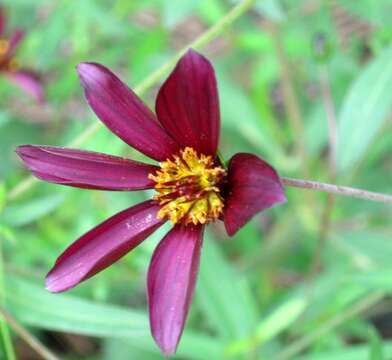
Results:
189 188
13 65
4 46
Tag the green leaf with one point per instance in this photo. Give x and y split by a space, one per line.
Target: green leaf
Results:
224 297
357 352
176 10
2 196
375 342
32 210
272 325
366 248
119 349
365 109
34 306
271 9
281 318
240 116
374 279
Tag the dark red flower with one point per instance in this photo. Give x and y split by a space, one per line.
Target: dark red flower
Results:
193 187
27 80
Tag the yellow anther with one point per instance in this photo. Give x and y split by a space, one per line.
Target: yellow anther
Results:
189 188
13 65
4 47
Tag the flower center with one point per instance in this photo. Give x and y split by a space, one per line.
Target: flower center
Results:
5 62
189 188
4 46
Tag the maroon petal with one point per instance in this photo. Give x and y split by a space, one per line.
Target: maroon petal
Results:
188 105
2 20
253 185
86 169
103 245
28 82
16 37
171 280
124 113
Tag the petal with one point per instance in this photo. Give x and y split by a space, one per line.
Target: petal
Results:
86 169
124 113
188 106
16 37
253 185
103 245
28 82
170 282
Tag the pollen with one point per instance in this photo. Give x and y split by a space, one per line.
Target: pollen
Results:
4 46
189 188
13 65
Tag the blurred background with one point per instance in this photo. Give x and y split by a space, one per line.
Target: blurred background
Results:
307 280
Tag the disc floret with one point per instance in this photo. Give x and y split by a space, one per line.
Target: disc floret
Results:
189 188
4 47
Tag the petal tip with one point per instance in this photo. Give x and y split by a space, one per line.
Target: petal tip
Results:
52 285
193 53
56 284
88 72
82 67
23 150
231 230
166 349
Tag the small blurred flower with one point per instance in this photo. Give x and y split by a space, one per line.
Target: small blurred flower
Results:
193 186
27 80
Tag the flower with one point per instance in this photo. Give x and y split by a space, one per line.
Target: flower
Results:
27 80
193 187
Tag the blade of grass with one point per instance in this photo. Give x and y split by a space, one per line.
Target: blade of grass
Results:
4 331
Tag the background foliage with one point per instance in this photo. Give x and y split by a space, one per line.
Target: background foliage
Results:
262 294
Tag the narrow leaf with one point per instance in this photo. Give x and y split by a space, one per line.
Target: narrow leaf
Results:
365 109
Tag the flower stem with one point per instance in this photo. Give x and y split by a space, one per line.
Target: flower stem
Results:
326 217
206 37
337 189
34 343
331 119
290 98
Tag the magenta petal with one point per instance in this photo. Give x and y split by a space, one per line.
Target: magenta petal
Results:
103 245
171 280
124 113
28 82
16 37
253 185
86 169
188 105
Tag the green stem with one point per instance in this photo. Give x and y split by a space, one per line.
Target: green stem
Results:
301 344
29 338
150 81
5 333
338 190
